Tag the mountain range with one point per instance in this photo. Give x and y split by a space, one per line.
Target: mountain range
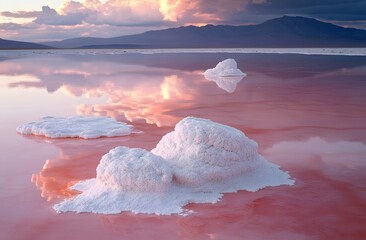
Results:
285 31
9 44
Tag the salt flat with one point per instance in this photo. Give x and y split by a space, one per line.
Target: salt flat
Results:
305 51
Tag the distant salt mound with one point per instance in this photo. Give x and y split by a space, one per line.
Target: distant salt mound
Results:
196 163
226 68
76 127
226 75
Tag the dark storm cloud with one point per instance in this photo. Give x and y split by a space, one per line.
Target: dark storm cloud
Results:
238 12
337 10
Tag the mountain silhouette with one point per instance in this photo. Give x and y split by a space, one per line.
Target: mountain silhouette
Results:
286 31
9 44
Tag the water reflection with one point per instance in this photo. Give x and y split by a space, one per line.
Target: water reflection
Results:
226 83
78 158
151 102
338 160
132 92
322 203
329 174
306 112
161 88
73 163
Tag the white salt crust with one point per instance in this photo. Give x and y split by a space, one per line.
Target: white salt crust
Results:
226 68
196 163
226 75
86 127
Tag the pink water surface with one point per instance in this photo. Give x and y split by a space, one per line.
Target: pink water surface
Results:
307 113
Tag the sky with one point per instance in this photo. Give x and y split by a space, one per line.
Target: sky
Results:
49 20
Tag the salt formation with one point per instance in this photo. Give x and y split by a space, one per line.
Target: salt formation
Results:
226 68
79 126
201 151
128 179
196 163
226 75
133 169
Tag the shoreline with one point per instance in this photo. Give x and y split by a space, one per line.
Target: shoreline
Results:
301 51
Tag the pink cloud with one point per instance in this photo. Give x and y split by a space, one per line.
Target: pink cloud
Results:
136 12
119 17
203 11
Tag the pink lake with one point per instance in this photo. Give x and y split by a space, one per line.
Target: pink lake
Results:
306 112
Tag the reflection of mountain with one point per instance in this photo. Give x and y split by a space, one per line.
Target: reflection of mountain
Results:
326 99
283 92
274 65
9 44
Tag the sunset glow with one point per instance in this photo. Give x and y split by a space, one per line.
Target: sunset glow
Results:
183 119
151 103
56 20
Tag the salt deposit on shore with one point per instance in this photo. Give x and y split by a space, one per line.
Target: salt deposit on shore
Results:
302 51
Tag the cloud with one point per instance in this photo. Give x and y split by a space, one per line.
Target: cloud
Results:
113 13
325 9
41 32
12 26
50 16
203 11
117 12
110 18
137 13
21 14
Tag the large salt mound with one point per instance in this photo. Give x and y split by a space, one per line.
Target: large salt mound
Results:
196 163
201 151
80 126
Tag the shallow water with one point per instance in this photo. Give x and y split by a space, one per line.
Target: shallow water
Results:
306 112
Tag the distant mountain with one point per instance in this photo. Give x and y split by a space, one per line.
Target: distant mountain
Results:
8 44
280 32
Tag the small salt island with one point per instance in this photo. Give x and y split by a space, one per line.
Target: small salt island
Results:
86 127
226 75
196 163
